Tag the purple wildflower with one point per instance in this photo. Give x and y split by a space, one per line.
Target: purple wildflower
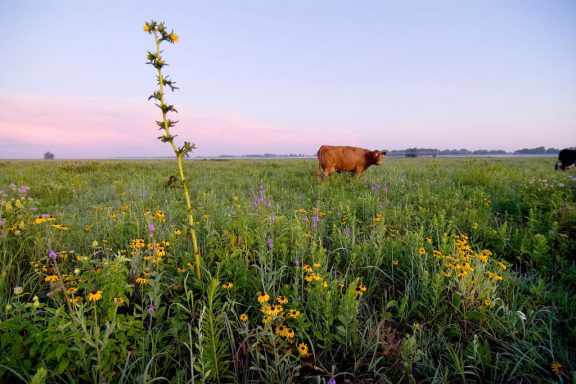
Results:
52 255
270 243
33 209
332 381
385 189
24 189
1 222
151 227
150 309
347 231
45 216
297 262
561 185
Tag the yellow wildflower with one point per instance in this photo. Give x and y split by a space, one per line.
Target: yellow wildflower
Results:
244 317
282 300
227 285
118 300
556 367
141 280
51 278
303 350
263 297
95 295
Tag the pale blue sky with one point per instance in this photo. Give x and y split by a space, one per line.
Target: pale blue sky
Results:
261 76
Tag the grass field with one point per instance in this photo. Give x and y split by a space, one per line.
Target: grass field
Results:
420 270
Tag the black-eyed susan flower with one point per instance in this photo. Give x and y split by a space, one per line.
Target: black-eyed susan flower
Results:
51 278
71 290
293 314
75 300
118 300
263 297
280 331
95 295
362 288
244 317
395 262
282 300
303 350
316 265
181 269
495 276
422 251
307 268
556 367
141 280
228 285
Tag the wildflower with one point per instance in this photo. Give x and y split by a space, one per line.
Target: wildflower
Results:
362 288
94 244
307 268
118 300
95 295
146 28
282 300
177 232
316 265
501 265
556 367
272 310
266 319
244 317
150 309
77 271
395 262
332 381
293 314
303 350
141 280
462 273
494 276
421 251
137 243
289 334
181 269
227 285
280 331
75 300
263 297
50 278
18 290
270 243
52 254
488 303
71 290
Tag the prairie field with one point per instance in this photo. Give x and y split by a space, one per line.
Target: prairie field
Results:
425 270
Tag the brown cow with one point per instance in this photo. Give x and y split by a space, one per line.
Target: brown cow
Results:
346 159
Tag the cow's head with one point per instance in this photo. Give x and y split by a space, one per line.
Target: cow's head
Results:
377 156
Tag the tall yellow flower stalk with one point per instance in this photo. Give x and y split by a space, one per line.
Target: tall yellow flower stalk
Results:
160 33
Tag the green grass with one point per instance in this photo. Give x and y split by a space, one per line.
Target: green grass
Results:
420 270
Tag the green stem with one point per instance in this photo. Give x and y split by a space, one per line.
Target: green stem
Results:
191 223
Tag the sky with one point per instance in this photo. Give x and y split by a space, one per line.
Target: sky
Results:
264 76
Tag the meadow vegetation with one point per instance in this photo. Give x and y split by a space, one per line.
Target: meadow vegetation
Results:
420 270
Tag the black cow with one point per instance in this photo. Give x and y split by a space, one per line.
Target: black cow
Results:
566 158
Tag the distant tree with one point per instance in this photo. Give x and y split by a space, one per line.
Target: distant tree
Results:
48 156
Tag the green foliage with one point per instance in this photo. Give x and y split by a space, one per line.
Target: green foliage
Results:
441 270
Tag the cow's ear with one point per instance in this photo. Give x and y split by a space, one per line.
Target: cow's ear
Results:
383 153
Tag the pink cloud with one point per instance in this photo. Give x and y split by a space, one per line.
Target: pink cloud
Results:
107 127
